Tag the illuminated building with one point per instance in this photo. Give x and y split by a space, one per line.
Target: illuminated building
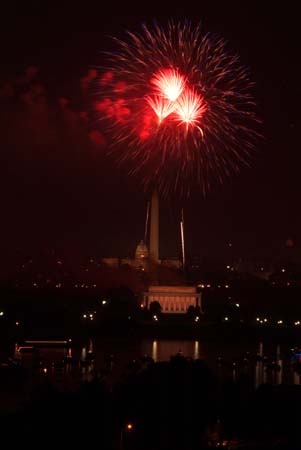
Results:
173 299
145 258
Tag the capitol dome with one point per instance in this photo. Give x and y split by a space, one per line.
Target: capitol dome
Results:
141 251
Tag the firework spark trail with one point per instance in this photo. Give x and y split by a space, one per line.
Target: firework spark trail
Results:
178 106
161 107
169 83
190 108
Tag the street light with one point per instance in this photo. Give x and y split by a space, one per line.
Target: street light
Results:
128 428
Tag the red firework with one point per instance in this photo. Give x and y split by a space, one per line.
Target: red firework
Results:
190 108
185 104
161 107
169 83
178 106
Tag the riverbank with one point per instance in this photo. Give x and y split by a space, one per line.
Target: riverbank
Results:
172 329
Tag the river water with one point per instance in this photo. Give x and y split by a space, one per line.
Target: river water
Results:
263 362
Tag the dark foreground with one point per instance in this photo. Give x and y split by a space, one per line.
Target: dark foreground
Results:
178 404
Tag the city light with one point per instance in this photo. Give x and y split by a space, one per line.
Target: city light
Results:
237 305
1 313
84 316
226 319
129 426
104 302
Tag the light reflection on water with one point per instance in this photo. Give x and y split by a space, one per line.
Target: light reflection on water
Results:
155 351
163 350
296 378
114 356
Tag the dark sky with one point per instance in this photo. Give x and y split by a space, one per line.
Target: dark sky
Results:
60 190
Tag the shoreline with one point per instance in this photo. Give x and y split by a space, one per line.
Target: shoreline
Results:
141 330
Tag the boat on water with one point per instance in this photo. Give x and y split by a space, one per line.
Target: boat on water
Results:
31 345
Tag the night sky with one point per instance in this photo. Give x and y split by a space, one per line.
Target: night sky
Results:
60 189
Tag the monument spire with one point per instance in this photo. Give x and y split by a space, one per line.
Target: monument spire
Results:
154 228
146 222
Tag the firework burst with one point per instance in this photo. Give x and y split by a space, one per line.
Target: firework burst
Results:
178 106
169 83
161 107
190 108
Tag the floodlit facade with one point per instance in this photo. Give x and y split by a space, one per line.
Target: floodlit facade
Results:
173 299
